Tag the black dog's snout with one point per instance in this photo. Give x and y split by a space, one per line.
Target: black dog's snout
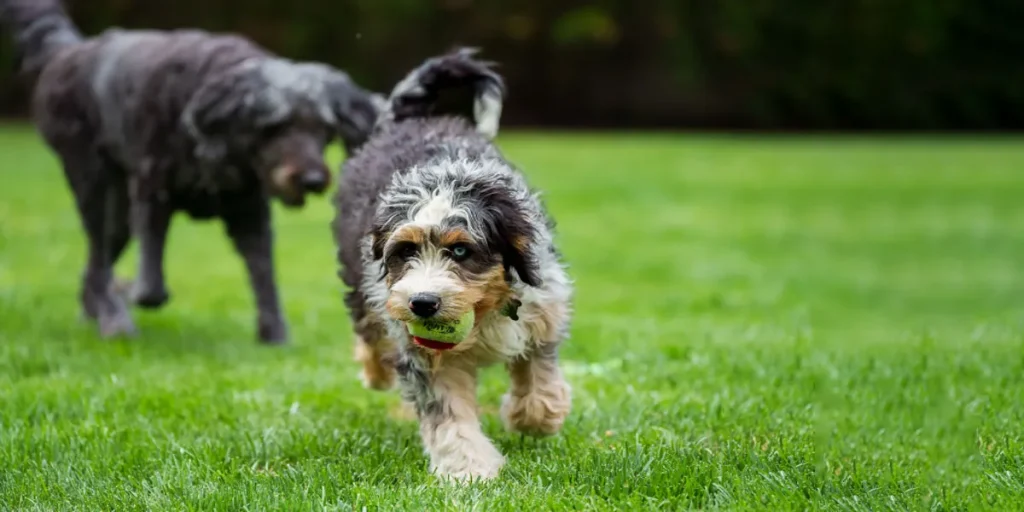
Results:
425 305
314 181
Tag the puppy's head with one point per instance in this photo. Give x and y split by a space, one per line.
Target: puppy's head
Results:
276 118
453 245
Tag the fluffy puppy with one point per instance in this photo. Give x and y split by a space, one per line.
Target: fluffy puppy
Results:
431 222
148 123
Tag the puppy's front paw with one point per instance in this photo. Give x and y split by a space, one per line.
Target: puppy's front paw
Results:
478 462
541 411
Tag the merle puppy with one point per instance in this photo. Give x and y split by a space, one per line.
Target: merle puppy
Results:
148 123
431 222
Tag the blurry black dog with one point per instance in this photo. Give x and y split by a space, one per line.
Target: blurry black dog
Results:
147 123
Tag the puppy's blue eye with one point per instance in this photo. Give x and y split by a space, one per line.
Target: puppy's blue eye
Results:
459 252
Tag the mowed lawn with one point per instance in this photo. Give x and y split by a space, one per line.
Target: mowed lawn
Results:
762 323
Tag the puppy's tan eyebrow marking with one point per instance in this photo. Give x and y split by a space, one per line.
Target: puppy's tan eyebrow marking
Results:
454 236
413 234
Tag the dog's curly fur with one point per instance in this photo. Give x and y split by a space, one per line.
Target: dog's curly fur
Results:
430 208
147 123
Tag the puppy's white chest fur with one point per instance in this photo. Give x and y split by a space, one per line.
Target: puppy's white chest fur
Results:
499 338
543 318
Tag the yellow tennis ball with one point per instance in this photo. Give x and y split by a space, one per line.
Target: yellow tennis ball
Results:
445 331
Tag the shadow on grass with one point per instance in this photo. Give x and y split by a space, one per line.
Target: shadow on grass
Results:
59 331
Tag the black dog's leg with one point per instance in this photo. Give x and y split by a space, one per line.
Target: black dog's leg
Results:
250 230
152 220
102 200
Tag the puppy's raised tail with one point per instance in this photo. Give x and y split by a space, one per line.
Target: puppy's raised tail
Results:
41 28
417 95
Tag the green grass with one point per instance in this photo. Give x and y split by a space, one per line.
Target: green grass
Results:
763 323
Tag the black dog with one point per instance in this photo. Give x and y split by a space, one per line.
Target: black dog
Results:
148 123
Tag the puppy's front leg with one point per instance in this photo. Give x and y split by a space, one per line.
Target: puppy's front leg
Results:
151 219
250 231
445 402
539 399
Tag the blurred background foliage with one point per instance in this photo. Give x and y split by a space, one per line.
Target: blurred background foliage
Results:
748 64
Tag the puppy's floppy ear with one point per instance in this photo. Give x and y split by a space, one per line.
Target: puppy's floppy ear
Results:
240 98
379 234
378 239
510 233
517 255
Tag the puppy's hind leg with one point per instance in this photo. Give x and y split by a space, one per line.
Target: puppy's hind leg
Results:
101 196
377 358
374 350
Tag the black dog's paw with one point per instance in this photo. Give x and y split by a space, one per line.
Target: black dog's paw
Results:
118 324
88 313
273 333
151 300
148 297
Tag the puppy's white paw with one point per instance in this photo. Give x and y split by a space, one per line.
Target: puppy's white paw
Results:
469 467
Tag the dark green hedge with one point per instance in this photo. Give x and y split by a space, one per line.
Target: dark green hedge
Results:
804 64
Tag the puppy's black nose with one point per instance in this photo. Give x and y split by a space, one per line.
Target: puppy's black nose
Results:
424 305
314 181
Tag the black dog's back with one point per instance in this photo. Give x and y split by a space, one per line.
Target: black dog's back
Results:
124 87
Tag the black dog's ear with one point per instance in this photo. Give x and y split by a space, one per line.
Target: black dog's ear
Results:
19 61
239 98
355 110
356 119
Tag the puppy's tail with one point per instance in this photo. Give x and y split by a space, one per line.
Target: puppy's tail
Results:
417 95
41 28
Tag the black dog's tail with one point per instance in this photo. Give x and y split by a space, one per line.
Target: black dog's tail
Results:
418 94
41 28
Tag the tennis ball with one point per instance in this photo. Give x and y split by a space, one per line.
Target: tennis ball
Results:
445 331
